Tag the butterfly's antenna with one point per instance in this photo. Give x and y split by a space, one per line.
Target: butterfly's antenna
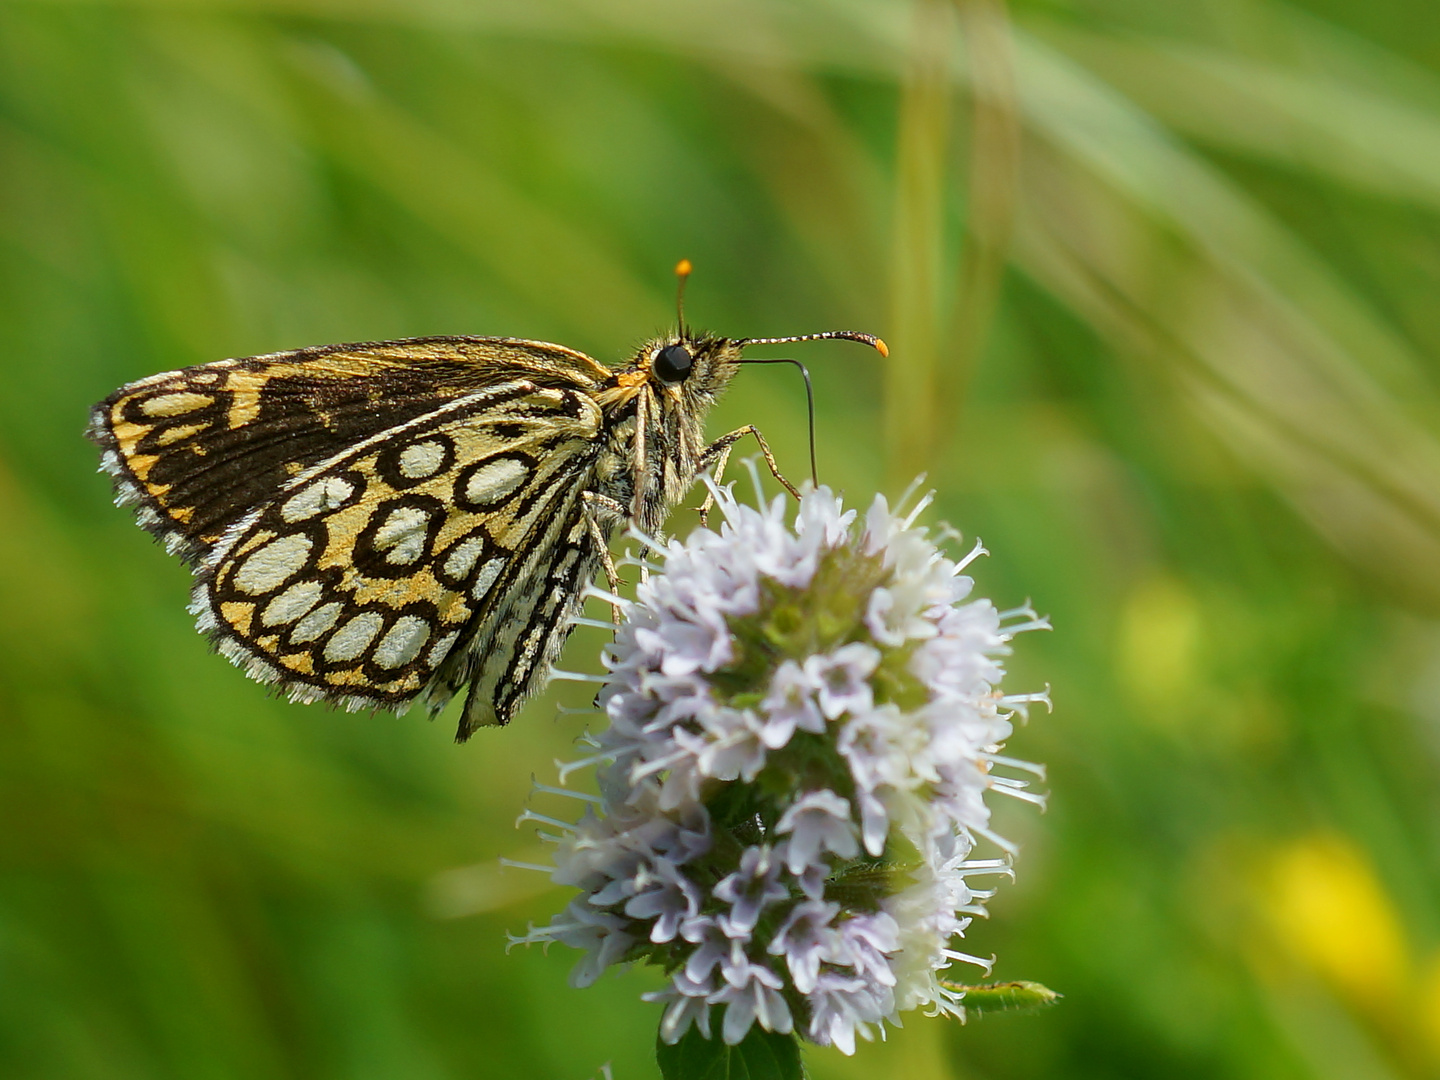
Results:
847 335
809 409
682 271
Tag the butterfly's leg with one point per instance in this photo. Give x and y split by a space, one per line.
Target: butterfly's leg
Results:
718 454
601 504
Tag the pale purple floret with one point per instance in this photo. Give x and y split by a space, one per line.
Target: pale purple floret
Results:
686 1004
789 706
806 939
841 679
749 889
817 822
844 1005
714 948
866 942
664 895
755 999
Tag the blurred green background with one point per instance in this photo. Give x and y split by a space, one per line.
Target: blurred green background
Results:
1160 283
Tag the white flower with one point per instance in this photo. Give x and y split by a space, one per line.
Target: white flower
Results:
806 939
714 948
804 723
790 705
664 896
842 679
818 821
688 1005
756 998
748 890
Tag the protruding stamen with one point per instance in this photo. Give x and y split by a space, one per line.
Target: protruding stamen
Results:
979 961
633 532
549 789
1015 789
925 500
1016 763
598 624
547 870
995 838
980 867
591 591
975 552
544 819
565 768
577 676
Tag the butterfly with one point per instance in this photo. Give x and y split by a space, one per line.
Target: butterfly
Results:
384 523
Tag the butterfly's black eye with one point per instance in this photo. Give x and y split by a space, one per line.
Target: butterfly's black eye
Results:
673 363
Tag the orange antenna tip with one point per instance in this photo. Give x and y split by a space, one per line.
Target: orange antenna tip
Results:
683 268
881 347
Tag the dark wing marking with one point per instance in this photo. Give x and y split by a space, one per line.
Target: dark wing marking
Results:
198 449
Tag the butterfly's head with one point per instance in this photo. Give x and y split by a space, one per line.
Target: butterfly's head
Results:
683 373
685 369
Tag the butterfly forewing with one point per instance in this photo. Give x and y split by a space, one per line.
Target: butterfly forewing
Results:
199 449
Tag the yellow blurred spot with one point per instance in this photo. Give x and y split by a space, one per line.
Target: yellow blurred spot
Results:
1158 646
881 347
1429 1006
683 268
1333 913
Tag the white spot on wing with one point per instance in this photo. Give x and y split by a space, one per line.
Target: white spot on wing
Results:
271 565
422 459
354 637
493 481
402 535
292 603
441 649
316 623
486 578
318 498
461 559
402 642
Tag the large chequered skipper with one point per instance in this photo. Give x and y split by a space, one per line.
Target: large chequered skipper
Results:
378 523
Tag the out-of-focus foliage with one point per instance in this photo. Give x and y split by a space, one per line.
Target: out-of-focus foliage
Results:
1160 284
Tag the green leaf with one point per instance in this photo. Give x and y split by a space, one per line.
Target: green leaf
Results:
761 1055
1005 997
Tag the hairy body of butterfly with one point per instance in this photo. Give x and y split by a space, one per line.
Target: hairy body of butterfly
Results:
382 523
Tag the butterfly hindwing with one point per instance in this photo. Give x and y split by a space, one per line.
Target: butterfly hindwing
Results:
524 630
355 582
199 449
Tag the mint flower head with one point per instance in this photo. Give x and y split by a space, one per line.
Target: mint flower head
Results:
804 721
